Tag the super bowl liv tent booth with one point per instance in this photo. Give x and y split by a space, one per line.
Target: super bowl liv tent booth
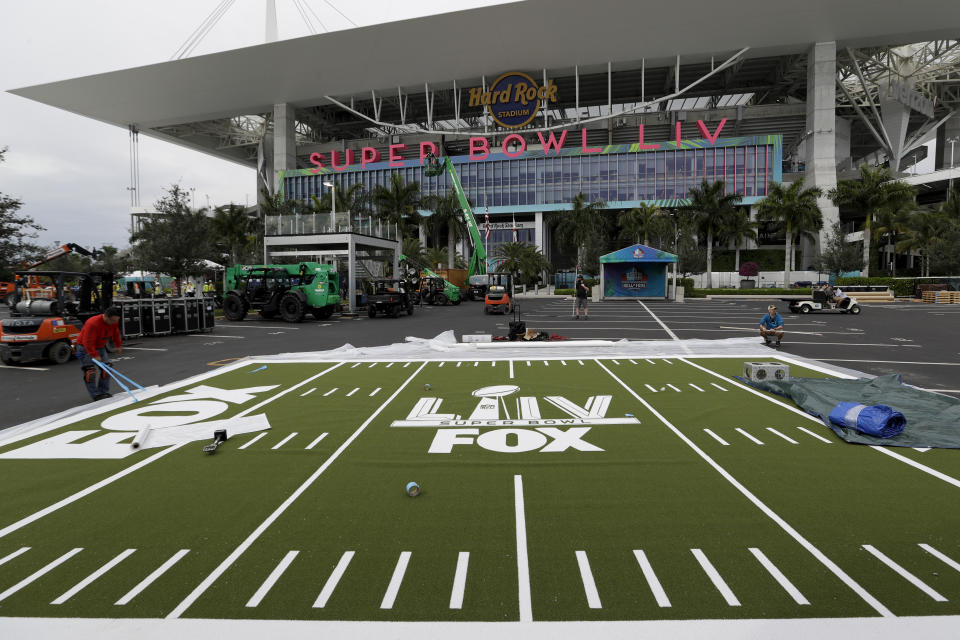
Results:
637 271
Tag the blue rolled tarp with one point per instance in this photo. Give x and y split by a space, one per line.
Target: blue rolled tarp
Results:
879 421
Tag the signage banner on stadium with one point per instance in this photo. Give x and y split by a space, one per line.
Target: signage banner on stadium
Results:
514 99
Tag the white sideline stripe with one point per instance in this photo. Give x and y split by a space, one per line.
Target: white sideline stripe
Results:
40 572
783 524
284 441
156 573
459 580
331 391
19 552
523 566
748 435
243 546
953 564
511 369
649 387
718 386
252 440
717 438
396 580
787 438
333 580
815 435
781 579
306 393
314 443
658 593
589 587
374 392
353 392
715 578
673 387
272 579
696 387
883 450
93 576
909 577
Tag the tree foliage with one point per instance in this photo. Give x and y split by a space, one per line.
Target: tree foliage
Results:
522 259
711 209
581 226
797 211
398 203
836 255
17 235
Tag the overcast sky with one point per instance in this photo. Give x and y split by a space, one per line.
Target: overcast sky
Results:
72 173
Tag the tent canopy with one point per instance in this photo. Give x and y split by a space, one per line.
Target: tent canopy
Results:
638 253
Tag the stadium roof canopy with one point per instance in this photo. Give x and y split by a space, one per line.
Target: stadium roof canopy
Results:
462 47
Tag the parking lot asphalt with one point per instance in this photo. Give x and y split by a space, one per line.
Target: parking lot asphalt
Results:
916 340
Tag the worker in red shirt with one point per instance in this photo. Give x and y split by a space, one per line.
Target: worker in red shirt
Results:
92 344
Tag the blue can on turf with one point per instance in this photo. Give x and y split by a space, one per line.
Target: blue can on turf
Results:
413 489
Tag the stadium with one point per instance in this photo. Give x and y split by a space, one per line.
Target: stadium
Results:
595 487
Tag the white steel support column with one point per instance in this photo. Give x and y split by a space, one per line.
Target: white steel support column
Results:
950 153
351 272
284 142
821 162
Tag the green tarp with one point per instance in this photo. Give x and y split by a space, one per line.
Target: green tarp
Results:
933 420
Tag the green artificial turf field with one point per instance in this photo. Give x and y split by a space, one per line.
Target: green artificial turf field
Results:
553 490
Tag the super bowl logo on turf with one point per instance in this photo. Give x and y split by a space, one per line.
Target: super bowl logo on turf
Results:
513 99
518 421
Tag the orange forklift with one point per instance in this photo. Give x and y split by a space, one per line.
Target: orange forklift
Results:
48 311
499 297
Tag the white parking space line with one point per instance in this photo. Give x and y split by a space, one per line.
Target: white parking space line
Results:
218 335
4 366
909 577
655 587
271 579
781 579
523 566
940 364
586 576
75 589
255 326
10 556
353 392
306 393
787 438
284 441
374 392
664 326
696 387
815 435
715 578
748 436
950 562
156 573
333 580
39 573
717 438
126 348
459 580
252 440
396 580
316 441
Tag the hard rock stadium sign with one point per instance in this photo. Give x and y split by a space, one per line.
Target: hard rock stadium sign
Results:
513 99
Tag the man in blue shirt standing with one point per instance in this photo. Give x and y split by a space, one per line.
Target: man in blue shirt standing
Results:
771 326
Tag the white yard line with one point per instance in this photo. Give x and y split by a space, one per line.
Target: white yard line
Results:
696 387
10 556
950 562
252 440
511 369
334 390
459 580
649 387
718 386
717 438
374 392
156 573
815 435
395 580
781 579
306 393
655 587
333 580
875 604
909 577
272 579
787 438
673 387
353 392
586 576
39 573
243 546
284 441
390 364
715 578
747 435
523 566
75 589
316 441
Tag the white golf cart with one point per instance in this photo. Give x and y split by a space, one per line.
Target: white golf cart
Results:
820 302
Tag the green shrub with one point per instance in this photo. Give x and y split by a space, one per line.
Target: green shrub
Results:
563 292
901 287
766 259
800 291
687 284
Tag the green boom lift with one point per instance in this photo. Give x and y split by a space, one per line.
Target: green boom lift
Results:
435 166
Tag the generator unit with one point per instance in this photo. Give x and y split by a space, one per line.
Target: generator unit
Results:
762 371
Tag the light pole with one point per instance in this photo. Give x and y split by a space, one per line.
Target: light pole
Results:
952 142
333 200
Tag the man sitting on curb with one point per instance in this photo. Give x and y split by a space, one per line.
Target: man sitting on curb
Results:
771 326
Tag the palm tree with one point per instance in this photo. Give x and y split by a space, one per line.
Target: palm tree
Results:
448 215
711 209
797 210
637 222
924 231
435 256
398 203
875 190
352 199
521 258
413 250
231 228
580 225
739 227
889 223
